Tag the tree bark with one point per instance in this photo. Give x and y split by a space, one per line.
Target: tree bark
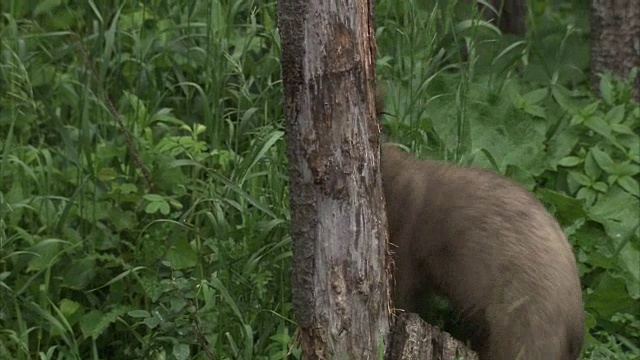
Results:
615 39
338 225
341 266
413 339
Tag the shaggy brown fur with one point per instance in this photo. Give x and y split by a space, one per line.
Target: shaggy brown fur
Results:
492 249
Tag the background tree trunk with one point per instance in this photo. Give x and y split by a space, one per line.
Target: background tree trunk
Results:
338 225
615 39
511 16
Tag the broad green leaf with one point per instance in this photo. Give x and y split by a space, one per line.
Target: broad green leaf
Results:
622 129
535 96
152 207
181 254
577 120
598 125
568 210
80 274
47 253
153 321
580 178
603 160
164 208
617 210
615 115
570 161
107 174
591 167
69 307
535 110
181 351
153 197
139 314
589 110
606 90
630 258
600 186
90 322
629 184
626 169
587 194
563 98
561 145
134 20
609 296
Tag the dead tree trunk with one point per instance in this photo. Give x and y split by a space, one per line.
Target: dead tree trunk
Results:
338 227
615 39
413 339
341 268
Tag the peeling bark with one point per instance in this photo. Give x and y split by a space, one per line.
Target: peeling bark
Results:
341 265
338 227
414 339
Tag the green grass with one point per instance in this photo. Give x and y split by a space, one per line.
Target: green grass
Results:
143 183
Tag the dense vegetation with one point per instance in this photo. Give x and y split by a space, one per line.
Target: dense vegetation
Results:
143 183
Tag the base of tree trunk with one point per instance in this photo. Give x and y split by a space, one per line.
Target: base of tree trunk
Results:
413 339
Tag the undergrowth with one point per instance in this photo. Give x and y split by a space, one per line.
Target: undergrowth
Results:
143 184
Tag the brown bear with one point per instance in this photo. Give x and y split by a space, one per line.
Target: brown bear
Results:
492 249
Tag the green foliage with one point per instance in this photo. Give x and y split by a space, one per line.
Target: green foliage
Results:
523 107
142 197
143 189
601 172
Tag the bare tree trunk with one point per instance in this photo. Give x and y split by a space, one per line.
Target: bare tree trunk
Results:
338 225
615 39
511 16
341 267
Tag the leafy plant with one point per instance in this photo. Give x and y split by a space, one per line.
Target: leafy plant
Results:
143 189
521 107
142 210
